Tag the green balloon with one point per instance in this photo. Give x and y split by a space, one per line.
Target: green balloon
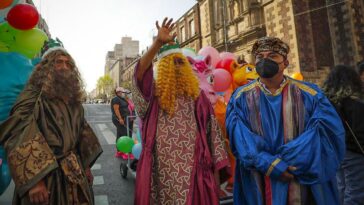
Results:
30 42
4 47
7 34
125 144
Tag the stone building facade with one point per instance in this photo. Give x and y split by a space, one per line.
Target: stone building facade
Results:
188 29
320 33
116 61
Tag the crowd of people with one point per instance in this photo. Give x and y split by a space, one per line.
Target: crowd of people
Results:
293 142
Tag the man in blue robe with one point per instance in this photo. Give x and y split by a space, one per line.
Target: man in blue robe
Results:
286 136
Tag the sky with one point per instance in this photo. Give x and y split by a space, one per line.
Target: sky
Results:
90 28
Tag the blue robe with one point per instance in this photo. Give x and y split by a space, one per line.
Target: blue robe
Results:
297 126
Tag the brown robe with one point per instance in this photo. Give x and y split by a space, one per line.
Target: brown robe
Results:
49 139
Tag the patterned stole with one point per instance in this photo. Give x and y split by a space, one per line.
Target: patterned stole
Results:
293 123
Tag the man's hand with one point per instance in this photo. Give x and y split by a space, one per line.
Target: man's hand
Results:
89 176
164 33
286 176
39 194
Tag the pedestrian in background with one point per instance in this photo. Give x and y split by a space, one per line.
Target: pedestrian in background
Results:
343 88
120 112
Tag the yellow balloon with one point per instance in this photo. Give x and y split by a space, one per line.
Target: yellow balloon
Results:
297 76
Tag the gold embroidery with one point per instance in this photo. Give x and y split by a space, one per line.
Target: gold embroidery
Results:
30 159
304 87
274 164
277 92
71 169
246 88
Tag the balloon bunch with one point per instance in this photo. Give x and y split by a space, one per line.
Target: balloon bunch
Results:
18 32
127 144
219 75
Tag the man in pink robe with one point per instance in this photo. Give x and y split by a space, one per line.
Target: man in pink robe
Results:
184 157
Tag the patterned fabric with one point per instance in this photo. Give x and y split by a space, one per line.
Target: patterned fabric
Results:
30 159
72 169
293 114
270 44
174 154
141 105
217 144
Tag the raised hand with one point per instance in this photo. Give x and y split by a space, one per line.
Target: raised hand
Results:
164 32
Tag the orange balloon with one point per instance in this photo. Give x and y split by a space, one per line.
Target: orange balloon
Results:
297 76
5 3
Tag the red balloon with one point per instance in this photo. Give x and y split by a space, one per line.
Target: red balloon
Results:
227 64
23 16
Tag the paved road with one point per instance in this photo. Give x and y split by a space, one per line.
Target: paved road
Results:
109 187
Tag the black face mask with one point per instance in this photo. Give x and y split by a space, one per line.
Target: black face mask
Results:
266 68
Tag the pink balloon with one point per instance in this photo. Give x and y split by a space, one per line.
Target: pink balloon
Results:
222 80
212 52
227 55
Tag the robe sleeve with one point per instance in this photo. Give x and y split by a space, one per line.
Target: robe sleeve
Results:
30 158
218 148
318 151
249 148
142 91
89 146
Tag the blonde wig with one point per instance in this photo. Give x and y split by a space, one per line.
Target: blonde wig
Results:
173 81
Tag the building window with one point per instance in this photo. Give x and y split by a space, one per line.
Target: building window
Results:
192 27
218 13
183 34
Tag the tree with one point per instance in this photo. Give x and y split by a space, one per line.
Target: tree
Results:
105 86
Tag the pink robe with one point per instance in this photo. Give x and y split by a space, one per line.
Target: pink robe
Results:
180 153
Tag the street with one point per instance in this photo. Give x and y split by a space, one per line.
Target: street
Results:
109 187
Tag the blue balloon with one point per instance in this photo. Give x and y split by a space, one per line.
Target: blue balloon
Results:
139 138
5 177
137 150
15 70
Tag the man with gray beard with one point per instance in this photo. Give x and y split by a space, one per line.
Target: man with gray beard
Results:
49 144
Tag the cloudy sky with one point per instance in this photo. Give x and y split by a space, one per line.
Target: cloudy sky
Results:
90 28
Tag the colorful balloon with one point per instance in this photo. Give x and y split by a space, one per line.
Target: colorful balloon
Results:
222 80
17 69
4 12
5 176
297 76
23 16
203 71
125 144
227 55
5 3
7 34
3 47
212 52
228 64
137 150
29 43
